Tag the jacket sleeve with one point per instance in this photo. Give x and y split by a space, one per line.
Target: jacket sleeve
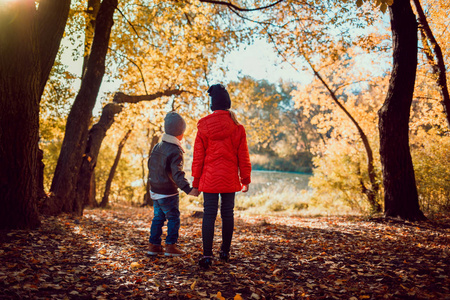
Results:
198 159
178 175
245 167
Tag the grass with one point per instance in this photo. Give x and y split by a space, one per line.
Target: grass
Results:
275 193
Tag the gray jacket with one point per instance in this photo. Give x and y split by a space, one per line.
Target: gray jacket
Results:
165 167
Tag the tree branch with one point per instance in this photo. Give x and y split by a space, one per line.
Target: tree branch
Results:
128 21
51 21
231 5
136 65
120 97
438 64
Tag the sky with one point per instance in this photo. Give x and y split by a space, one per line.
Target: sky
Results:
259 61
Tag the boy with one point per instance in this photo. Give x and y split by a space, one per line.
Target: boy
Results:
166 176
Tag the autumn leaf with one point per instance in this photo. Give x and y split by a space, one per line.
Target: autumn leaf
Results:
125 271
135 265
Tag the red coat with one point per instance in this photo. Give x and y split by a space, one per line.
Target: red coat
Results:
221 161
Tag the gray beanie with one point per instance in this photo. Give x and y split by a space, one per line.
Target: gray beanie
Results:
174 124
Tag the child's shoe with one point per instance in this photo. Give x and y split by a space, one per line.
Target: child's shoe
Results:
155 249
172 250
205 262
224 256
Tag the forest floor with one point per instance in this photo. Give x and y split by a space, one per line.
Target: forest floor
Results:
103 256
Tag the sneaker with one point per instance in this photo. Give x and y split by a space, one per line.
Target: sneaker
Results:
224 256
155 249
205 262
172 250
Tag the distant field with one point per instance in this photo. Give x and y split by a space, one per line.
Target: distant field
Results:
269 191
272 191
277 182
282 193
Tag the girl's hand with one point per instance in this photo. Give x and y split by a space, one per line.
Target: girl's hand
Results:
245 188
194 192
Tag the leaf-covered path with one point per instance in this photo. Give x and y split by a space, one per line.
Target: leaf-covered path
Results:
102 256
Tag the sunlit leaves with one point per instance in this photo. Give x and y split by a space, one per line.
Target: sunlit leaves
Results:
431 165
340 166
382 4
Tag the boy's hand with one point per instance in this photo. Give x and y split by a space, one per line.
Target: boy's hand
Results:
194 192
245 188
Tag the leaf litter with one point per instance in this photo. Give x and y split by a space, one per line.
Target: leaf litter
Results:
103 256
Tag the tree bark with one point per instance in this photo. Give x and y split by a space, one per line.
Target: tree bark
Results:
29 41
120 97
92 192
437 63
51 18
95 138
41 166
92 10
74 144
112 172
400 191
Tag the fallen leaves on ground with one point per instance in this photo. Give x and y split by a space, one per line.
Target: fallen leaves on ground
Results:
103 256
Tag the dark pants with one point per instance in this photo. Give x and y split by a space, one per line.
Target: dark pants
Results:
166 208
211 204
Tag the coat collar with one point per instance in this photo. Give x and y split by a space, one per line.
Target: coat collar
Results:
172 140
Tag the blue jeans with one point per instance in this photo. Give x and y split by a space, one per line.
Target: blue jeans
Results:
166 208
210 207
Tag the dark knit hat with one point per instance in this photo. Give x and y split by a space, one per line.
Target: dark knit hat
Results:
220 99
174 124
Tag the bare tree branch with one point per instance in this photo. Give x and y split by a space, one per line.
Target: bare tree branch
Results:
128 21
120 97
438 64
231 5
137 66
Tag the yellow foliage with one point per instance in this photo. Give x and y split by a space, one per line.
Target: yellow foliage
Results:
431 158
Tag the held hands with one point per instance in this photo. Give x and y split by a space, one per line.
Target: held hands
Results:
245 188
194 192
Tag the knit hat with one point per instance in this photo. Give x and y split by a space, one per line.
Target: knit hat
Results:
220 99
174 124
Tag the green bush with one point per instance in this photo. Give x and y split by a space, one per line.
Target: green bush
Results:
337 178
431 158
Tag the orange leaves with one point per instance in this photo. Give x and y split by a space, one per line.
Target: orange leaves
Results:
219 296
136 265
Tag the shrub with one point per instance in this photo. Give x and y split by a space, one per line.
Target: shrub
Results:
431 157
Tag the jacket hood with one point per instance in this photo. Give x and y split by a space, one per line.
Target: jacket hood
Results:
217 126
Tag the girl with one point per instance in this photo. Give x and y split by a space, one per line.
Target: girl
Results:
221 166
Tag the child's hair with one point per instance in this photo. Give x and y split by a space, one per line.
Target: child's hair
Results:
233 117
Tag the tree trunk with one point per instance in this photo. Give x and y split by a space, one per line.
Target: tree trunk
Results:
91 17
70 159
148 201
437 63
105 199
92 192
29 41
41 166
371 192
94 142
401 198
